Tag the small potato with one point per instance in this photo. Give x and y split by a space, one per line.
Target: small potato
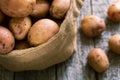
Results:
1 16
98 60
42 31
114 43
92 26
40 9
17 8
21 45
59 8
6 40
114 11
20 27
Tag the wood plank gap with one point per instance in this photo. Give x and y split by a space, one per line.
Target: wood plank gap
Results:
56 78
96 76
14 76
91 3
91 6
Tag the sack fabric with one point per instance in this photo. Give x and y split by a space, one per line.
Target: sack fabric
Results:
58 49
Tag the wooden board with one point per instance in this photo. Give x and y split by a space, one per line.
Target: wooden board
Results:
77 68
100 8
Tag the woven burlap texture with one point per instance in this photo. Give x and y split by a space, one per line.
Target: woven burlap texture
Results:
58 49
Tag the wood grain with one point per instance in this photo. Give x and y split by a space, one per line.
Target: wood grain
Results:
48 74
6 75
100 8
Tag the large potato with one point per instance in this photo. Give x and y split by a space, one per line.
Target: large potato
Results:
59 8
42 31
20 27
40 9
17 8
6 40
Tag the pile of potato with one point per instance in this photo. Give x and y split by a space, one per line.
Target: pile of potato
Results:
29 23
93 26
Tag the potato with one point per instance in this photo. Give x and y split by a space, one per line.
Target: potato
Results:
40 9
21 45
17 8
20 27
114 43
92 26
1 16
6 40
98 60
42 31
59 8
114 11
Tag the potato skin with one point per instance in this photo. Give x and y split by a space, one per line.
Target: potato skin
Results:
20 27
114 43
114 11
17 8
92 26
59 8
6 40
98 60
40 9
42 31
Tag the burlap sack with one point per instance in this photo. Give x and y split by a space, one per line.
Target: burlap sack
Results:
56 50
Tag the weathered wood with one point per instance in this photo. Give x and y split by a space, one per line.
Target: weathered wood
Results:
77 68
6 75
100 8
48 74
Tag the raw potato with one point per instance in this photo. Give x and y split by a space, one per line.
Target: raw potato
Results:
21 45
17 8
6 40
92 26
59 8
98 60
114 43
114 11
42 31
1 16
20 27
40 9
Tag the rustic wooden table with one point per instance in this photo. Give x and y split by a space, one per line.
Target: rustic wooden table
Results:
77 68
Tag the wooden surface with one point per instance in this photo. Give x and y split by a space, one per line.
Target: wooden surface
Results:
77 68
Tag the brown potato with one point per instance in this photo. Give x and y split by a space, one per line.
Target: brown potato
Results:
59 8
40 9
114 43
98 60
114 11
42 31
1 16
20 27
21 45
6 40
92 26
17 8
